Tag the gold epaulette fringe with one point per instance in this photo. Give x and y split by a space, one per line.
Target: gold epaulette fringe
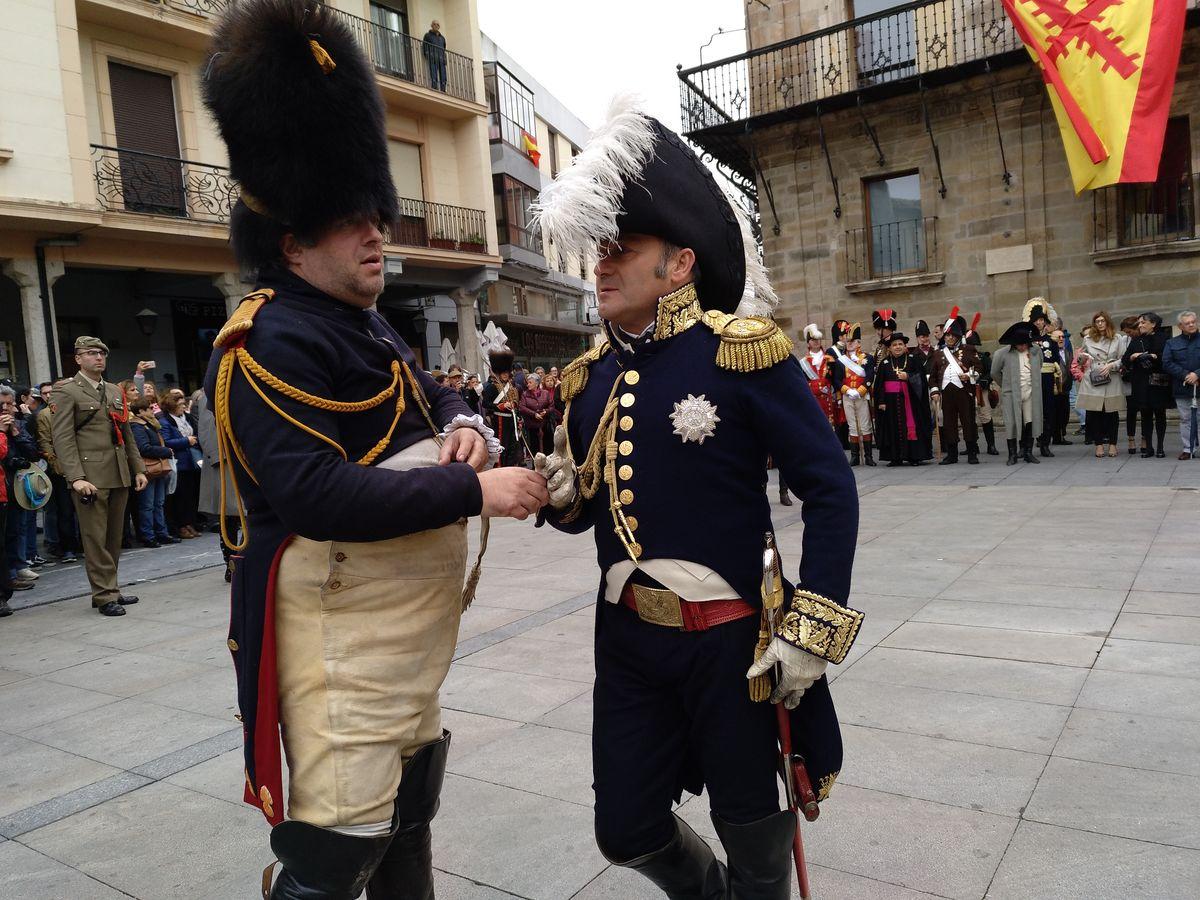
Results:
749 344
243 317
575 373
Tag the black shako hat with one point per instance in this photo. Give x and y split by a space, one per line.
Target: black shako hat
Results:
884 318
922 329
635 176
1019 333
297 104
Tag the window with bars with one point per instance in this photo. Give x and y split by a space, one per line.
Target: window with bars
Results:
895 238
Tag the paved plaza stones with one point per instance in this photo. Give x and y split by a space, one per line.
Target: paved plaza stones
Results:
1021 711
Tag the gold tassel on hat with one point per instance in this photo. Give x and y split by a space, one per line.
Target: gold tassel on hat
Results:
324 60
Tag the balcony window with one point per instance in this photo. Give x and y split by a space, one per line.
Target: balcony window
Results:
392 45
895 238
511 107
1153 214
885 47
512 213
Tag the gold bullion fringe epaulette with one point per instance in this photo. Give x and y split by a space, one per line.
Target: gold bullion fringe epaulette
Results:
575 373
819 626
748 344
243 317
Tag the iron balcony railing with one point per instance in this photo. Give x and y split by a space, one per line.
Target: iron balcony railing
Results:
412 59
133 181
1143 215
908 247
208 8
440 226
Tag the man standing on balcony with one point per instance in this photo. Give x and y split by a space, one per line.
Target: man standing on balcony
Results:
434 49
358 471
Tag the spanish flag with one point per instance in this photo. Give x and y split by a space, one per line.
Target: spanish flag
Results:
531 147
1109 66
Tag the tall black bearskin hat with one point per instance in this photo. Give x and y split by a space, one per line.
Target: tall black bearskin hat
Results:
1019 333
635 176
884 318
297 105
922 329
501 360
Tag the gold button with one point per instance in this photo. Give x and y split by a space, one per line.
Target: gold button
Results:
334 585
625 473
626 423
632 377
635 550
340 557
233 645
626 497
631 522
627 400
626 448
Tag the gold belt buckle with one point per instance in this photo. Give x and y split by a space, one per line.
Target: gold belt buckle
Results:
658 606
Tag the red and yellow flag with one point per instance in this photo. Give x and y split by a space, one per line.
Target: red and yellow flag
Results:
531 147
1109 66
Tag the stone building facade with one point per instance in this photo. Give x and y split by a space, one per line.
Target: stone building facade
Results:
912 161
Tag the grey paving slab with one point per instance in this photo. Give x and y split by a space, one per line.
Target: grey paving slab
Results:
29 875
34 655
1012 679
508 695
878 572
574 715
32 773
8 676
1178 574
578 630
49 619
887 606
529 656
1077 576
452 887
128 732
210 692
133 631
1153 695
943 850
63 805
992 721
222 777
1163 603
951 772
126 674
1000 643
617 883
184 843
536 847
1170 629
836 885
481 619
471 731
1054 620
1011 590
1130 739
1150 658
35 701
1115 800
535 759
204 648
1048 862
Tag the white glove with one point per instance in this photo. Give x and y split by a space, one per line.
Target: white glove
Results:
798 670
558 470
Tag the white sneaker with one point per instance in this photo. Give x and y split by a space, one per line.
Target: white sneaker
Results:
28 574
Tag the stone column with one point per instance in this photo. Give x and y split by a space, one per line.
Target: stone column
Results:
39 334
232 288
468 335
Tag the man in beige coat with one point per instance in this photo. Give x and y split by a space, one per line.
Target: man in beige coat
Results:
97 454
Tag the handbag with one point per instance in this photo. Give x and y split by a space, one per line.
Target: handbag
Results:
1098 378
155 467
1160 379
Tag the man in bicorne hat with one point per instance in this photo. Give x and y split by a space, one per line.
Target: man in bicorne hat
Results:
663 456
1055 370
884 321
353 471
953 373
1016 372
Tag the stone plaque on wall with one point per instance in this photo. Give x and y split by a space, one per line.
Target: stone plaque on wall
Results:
1009 259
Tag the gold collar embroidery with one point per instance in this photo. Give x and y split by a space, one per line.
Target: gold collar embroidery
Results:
677 312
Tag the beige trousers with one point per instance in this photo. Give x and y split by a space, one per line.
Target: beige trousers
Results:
858 413
364 633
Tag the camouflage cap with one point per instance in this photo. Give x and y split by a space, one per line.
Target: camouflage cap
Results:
87 342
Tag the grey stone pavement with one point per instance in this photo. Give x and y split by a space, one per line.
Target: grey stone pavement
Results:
1021 712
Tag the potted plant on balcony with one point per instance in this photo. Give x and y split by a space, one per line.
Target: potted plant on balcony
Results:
474 243
439 241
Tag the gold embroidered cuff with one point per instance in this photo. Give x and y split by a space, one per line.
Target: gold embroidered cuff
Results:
819 626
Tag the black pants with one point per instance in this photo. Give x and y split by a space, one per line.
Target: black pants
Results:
1049 407
181 505
1102 427
1131 419
663 697
958 410
63 510
1159 418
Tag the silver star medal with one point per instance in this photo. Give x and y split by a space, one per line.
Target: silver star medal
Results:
695 419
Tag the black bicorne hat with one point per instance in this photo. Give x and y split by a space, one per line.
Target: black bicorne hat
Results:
296 102
922 329
1019 333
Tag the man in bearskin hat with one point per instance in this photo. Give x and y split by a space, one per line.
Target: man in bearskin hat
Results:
987 397
663 455
353 471
954 370
855 371
1016 372
499 399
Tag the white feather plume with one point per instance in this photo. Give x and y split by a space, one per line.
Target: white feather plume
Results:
579 208
758 297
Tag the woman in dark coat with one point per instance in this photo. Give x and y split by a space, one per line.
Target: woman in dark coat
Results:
1150 385
147 433
902 430
180 435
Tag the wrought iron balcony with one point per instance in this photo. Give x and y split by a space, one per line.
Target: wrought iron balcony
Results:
133 181
1143 215
411 59
207 8
892 250
439 226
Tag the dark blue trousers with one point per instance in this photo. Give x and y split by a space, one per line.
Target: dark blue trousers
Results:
671 706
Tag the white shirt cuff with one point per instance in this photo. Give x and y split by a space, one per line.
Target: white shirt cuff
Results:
476 422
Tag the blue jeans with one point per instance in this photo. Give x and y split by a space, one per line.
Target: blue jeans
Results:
30 534
152 523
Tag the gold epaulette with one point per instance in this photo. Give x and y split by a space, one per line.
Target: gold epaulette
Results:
243 317
575 373
748 344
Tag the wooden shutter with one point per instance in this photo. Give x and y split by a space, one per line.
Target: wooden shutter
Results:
143 106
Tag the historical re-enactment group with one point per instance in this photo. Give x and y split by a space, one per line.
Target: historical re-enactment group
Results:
351 476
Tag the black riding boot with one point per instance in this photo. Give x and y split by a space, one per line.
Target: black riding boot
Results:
685 869
972 453
1044 445
406 870
1027 445
321 864
868 459
989 435
855 458
760 856
1012 453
